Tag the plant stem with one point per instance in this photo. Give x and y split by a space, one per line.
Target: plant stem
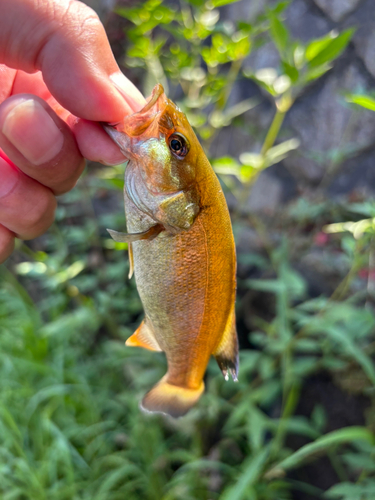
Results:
231 78
283 104
273 131
289 406
223 98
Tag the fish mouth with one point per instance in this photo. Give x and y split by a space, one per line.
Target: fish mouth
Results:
145 122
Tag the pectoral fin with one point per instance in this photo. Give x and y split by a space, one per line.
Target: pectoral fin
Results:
150 234
226 353
144 337
179 210
131 261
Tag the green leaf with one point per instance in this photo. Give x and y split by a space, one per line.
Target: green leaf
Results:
251 470
290 71
348 491
279 152
256 425
273 286
362 100
265 77
247 172
317 46
320 445
327 48
220 3
364 208
297 425
315 73
279 34
219 119
360 461
226 166
280 6
352 349
254 160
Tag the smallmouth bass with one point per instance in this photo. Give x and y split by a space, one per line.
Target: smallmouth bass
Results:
181 249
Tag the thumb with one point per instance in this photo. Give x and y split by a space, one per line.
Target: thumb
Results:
67 42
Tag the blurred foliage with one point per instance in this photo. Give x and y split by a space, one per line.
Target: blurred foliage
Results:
70 426
203 56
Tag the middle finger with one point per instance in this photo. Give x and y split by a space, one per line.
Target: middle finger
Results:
26 207
39 142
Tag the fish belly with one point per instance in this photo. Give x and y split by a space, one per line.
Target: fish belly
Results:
187 287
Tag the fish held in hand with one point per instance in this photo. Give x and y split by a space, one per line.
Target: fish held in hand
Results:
181 248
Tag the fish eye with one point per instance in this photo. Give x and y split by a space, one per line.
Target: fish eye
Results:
178 145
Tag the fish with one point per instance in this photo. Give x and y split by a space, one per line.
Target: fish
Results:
181 250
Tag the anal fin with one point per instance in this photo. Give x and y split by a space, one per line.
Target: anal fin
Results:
143 337
226 354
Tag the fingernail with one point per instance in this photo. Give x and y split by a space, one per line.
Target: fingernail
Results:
9 177
32 131
128 91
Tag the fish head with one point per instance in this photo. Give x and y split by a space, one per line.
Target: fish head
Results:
161 142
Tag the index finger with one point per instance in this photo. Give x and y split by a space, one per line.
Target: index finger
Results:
67 42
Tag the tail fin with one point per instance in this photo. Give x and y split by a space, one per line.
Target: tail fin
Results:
172 399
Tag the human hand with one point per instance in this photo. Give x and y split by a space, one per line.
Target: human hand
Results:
58 77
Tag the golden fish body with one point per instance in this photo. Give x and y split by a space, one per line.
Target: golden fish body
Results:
182 247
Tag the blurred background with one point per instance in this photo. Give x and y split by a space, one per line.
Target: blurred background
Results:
282 97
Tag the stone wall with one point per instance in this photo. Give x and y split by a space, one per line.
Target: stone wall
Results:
337 153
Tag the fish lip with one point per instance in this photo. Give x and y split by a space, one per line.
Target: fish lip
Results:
121 139
140 122
157 91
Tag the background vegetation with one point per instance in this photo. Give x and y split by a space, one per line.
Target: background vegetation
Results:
299 424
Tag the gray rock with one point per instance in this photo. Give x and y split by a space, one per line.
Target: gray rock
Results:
324 263
337 9
356 176
328 127
305 22
245 11
363 19
265 56
234 140
266 195
247 240
101 7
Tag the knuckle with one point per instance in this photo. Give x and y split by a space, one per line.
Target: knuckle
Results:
69 183
41 216
82 20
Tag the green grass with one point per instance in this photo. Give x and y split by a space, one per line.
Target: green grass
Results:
70 423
